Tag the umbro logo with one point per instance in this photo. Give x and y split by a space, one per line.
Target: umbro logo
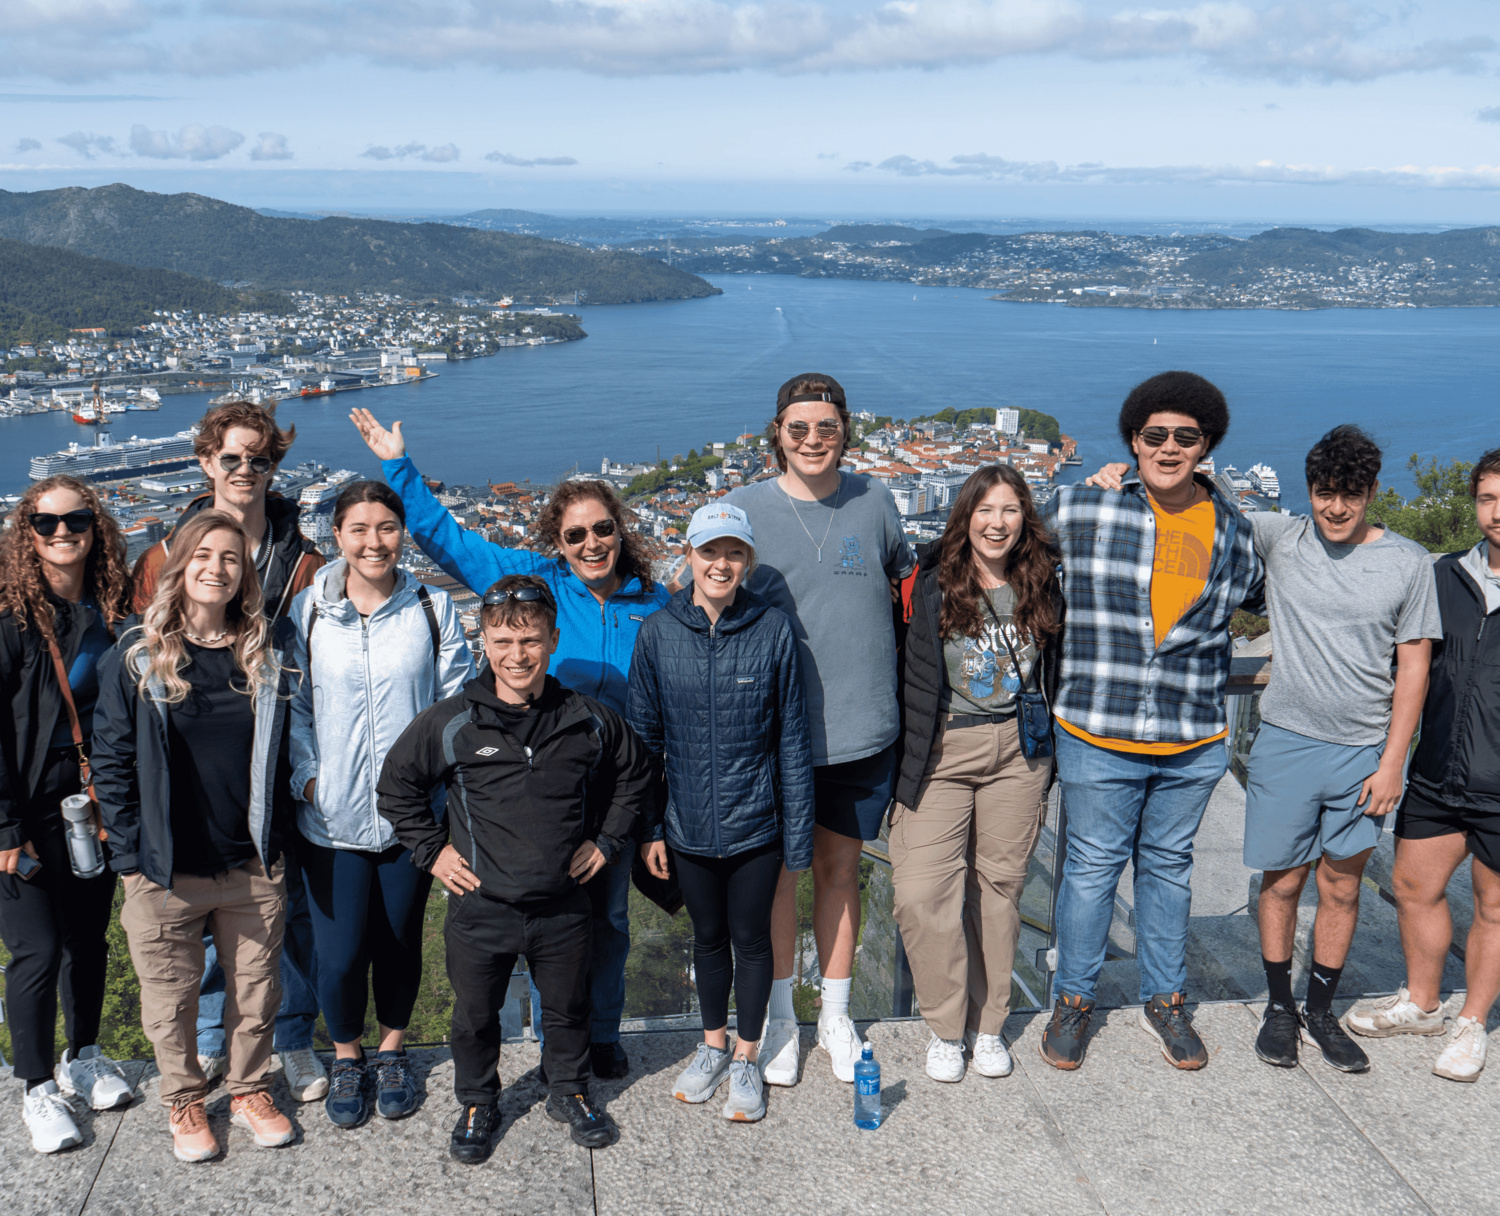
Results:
487 751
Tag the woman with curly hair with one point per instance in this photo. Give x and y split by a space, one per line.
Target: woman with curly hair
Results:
63 590
598 568
192 774
986 621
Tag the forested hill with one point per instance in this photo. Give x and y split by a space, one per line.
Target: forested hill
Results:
226 243
45 292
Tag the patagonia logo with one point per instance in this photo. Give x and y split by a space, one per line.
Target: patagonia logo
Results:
636 616
487 751
744 679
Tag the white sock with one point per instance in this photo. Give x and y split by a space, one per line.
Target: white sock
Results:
836 996
781 1000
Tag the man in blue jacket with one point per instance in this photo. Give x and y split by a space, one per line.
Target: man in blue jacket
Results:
599 572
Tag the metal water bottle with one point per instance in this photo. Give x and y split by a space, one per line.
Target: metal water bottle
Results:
84 851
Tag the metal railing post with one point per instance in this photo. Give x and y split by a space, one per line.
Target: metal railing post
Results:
1059 857
902 989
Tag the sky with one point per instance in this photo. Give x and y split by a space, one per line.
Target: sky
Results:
1314 111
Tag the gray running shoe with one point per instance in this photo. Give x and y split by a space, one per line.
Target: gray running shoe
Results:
697 1082
747 1095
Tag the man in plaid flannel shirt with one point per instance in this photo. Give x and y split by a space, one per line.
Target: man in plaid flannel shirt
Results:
1152 576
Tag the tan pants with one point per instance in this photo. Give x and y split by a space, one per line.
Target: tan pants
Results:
958 862
245 910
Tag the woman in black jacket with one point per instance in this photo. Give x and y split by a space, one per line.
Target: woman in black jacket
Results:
192 771
716 688
63 586
985 624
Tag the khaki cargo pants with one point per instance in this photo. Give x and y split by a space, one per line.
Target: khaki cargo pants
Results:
245 910
958 864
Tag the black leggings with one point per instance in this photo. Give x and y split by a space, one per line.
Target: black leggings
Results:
729 899
54 928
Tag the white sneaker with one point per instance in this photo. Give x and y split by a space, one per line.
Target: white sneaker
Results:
1393 1015
213 1067
1463 1058
837 1036
95 1078
945 1059
50 1118
991 1059
306 1077
779 1049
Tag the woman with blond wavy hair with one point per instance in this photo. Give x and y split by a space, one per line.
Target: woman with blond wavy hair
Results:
193 779
63 591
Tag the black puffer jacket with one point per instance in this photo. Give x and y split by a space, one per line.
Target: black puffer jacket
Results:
1457 762
725 706
924 675
29 692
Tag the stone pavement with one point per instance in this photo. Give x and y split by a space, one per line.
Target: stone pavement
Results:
1125 1134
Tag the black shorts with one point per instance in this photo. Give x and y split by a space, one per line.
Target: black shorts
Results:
1420 818
850 799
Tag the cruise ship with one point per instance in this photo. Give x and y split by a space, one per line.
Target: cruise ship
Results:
107 459
1263 481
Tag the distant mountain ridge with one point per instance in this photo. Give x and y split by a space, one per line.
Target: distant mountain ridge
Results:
219 241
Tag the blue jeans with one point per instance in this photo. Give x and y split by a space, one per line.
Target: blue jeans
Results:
609 893
299 978
1123 807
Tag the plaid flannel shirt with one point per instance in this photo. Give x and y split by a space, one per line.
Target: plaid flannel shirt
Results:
1116 682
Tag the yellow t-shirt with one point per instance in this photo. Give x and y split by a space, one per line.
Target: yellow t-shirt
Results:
1179 572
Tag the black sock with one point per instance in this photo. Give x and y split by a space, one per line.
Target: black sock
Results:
30 1085
1279 982
1322 983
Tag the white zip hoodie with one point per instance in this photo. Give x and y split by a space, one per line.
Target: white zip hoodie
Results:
368 680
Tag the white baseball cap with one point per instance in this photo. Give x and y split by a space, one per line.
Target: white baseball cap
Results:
716 520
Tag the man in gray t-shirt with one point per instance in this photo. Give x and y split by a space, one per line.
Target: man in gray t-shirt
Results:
1346 598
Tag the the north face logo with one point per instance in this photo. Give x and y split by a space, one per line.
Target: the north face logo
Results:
487 751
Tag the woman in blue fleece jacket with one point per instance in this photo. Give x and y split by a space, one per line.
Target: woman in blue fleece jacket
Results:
716 690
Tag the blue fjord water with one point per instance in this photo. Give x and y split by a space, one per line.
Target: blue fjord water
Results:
677 375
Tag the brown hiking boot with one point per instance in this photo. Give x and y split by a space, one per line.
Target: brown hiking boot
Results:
258 1114
1063 1040
191 1139
1165 1018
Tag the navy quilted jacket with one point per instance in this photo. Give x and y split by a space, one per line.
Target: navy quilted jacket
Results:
724 706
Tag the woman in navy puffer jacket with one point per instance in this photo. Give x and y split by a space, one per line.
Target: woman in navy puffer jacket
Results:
716 690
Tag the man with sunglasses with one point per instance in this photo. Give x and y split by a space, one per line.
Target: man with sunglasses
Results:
598 572
1152 576
239 447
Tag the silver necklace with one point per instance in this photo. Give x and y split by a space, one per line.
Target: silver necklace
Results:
263 554
818 545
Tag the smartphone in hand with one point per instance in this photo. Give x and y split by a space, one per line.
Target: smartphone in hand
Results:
26 866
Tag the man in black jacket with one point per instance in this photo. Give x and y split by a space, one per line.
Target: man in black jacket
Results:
1452 807
544 787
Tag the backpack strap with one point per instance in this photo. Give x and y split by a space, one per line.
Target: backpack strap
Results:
432 622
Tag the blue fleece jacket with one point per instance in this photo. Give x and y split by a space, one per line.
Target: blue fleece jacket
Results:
593 653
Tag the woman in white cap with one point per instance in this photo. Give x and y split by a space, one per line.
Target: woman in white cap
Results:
716 691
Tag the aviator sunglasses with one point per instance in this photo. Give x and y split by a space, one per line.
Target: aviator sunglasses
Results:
44 523
1186 436
230 461
797 432
603 529
494 597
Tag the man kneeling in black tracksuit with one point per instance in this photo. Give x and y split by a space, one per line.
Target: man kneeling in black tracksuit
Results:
544 789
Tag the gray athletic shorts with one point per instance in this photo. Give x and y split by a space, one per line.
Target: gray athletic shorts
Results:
1301 799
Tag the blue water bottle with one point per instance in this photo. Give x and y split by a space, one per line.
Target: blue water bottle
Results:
867 1090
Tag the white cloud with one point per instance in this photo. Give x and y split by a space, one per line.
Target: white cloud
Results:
193 142
505 158
27 145
90 145
271 147
1489 114
443 155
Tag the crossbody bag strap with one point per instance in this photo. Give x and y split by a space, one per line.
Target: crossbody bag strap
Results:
1014 658
85 771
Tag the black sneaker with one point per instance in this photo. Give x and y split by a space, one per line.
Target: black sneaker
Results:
591 1126
395 1087
1280 1031
608 1061
1062 1041
1321 1027
1166 1018
345 1104
474 1134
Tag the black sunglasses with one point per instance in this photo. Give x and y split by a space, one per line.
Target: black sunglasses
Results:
494 597
1186 436
828 428
602 529
230 461
44 523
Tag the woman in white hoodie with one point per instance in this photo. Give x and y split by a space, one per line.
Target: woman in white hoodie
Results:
377 648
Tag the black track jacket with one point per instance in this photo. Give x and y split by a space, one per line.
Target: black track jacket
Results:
516 818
